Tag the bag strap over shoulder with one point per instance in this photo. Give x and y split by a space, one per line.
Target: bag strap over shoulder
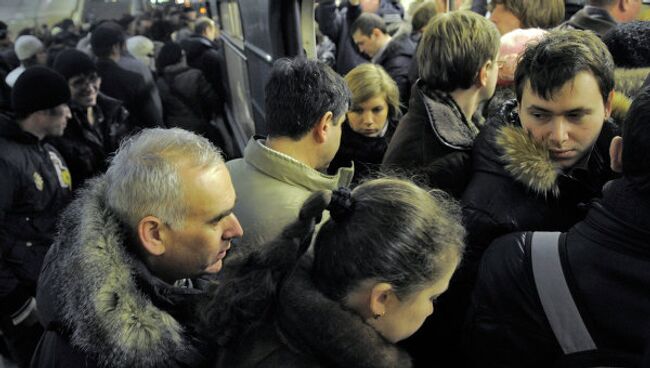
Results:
555 295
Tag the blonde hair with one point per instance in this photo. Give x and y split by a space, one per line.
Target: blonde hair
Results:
369 80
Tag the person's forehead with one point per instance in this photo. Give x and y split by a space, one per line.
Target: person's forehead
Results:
583 90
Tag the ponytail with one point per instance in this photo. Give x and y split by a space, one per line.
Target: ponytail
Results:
245 297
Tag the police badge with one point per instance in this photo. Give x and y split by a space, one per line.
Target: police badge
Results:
38 181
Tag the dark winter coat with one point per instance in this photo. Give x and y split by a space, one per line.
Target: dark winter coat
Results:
35 187
590 18
514 187
365 152
310 330
335 23
129 88
607 260
100 304
434 140
86 148
396 60
208 57
188 99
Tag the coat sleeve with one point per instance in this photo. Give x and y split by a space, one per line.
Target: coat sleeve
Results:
149 115
506 325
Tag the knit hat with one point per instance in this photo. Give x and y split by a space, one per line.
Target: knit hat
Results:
140 47
106 35
71 62
27 46
39 88
513 45
170 54
629 44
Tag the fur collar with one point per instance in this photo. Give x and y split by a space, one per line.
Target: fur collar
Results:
313 323
528 161
92 281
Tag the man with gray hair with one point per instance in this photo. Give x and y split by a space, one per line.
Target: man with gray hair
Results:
119 284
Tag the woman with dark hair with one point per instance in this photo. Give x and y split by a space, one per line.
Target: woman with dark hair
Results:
377 266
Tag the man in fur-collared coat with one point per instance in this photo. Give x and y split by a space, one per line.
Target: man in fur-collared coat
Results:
541 157
119 285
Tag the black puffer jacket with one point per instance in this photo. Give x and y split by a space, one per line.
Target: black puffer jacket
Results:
310 330
188 99
365 152
35 187
607 260
208 57
396 60
100 304
433 139
86 148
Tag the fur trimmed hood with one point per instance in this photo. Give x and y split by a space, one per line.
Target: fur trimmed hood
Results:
93 286
506 149
313 323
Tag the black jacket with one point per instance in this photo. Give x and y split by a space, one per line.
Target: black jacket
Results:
86 148
308 329
208 57
335 23
365 152
607 260
35 187
590 18
189 100
396 60
129 88
99 303
434 140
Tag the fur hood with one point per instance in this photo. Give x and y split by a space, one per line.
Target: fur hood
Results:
629 81
95 290
313 323
506 149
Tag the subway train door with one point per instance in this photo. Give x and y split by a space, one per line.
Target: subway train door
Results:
255 33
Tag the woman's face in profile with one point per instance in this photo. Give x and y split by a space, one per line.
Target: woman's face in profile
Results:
369 117
405 316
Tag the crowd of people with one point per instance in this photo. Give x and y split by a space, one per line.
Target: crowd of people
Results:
490 163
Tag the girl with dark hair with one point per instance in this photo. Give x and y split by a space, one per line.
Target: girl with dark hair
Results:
377 266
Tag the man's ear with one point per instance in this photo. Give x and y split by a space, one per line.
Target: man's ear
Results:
380 296
321 128
482 77
376 33
608 104
616 154
151 232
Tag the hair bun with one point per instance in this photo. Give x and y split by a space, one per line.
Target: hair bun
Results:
341 205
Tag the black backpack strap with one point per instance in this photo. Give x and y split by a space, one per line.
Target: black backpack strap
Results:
555 295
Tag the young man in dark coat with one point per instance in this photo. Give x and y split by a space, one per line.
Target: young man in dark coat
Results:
107 42
119 285
435 137
35 186
393 54
605 262
335 23
98 124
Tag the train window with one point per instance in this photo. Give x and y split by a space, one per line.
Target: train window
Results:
231 21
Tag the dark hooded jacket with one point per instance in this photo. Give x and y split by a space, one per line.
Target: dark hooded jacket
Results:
396 60
189 100
335 23
308 329
35 187
606 261
591 18
208 57
99 303
434 140
86 147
